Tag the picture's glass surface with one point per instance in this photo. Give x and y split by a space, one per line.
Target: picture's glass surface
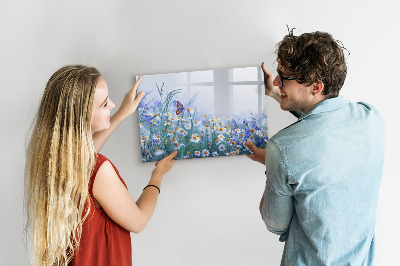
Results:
202 113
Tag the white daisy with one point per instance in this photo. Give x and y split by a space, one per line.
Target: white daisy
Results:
177 146
220 129
205 153
197 123
195 138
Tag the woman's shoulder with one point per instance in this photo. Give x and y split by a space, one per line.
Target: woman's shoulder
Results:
106 168
102 164
100 158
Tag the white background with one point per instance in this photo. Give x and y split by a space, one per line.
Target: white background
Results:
208 208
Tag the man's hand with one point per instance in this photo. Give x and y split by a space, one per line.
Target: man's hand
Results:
270 89
258 155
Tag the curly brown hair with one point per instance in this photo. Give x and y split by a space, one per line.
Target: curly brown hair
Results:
314 57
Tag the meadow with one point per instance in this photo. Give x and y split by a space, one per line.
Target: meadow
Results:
167 125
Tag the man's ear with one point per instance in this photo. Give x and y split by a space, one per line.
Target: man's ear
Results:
317 88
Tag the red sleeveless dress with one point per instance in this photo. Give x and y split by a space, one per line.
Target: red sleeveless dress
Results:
103 241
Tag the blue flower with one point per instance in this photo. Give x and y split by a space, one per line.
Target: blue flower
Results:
258 144
254 125
141 105
158 104
148 117
234 124
246 133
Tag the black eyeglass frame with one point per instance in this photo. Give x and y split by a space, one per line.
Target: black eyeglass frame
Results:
282 78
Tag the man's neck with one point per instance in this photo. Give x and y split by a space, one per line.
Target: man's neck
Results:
316 100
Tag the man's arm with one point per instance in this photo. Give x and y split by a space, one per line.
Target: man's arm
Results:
261 203
276 205
270 89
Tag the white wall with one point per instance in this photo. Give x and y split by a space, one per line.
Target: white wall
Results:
208 208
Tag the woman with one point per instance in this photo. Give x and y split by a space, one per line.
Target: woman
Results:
78 207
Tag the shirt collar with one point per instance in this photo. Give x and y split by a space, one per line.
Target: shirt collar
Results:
325 106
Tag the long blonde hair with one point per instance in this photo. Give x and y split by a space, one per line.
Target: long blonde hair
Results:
59 161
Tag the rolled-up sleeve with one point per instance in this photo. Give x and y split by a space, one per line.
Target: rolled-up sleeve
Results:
277 209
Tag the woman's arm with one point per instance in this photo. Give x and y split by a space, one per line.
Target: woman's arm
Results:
128 107
116 201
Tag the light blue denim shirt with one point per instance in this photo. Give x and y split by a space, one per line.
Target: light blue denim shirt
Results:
323 176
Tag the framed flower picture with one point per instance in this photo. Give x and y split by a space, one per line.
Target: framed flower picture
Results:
202 113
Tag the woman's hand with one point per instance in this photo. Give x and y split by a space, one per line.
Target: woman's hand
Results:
270 89
128 107
164 165
131 100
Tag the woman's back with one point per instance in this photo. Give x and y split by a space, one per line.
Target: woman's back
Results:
103 242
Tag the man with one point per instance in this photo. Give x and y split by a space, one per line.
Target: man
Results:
323 171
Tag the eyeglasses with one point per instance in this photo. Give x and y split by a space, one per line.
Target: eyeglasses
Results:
282 78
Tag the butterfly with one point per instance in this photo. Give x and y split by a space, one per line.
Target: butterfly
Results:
179 107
